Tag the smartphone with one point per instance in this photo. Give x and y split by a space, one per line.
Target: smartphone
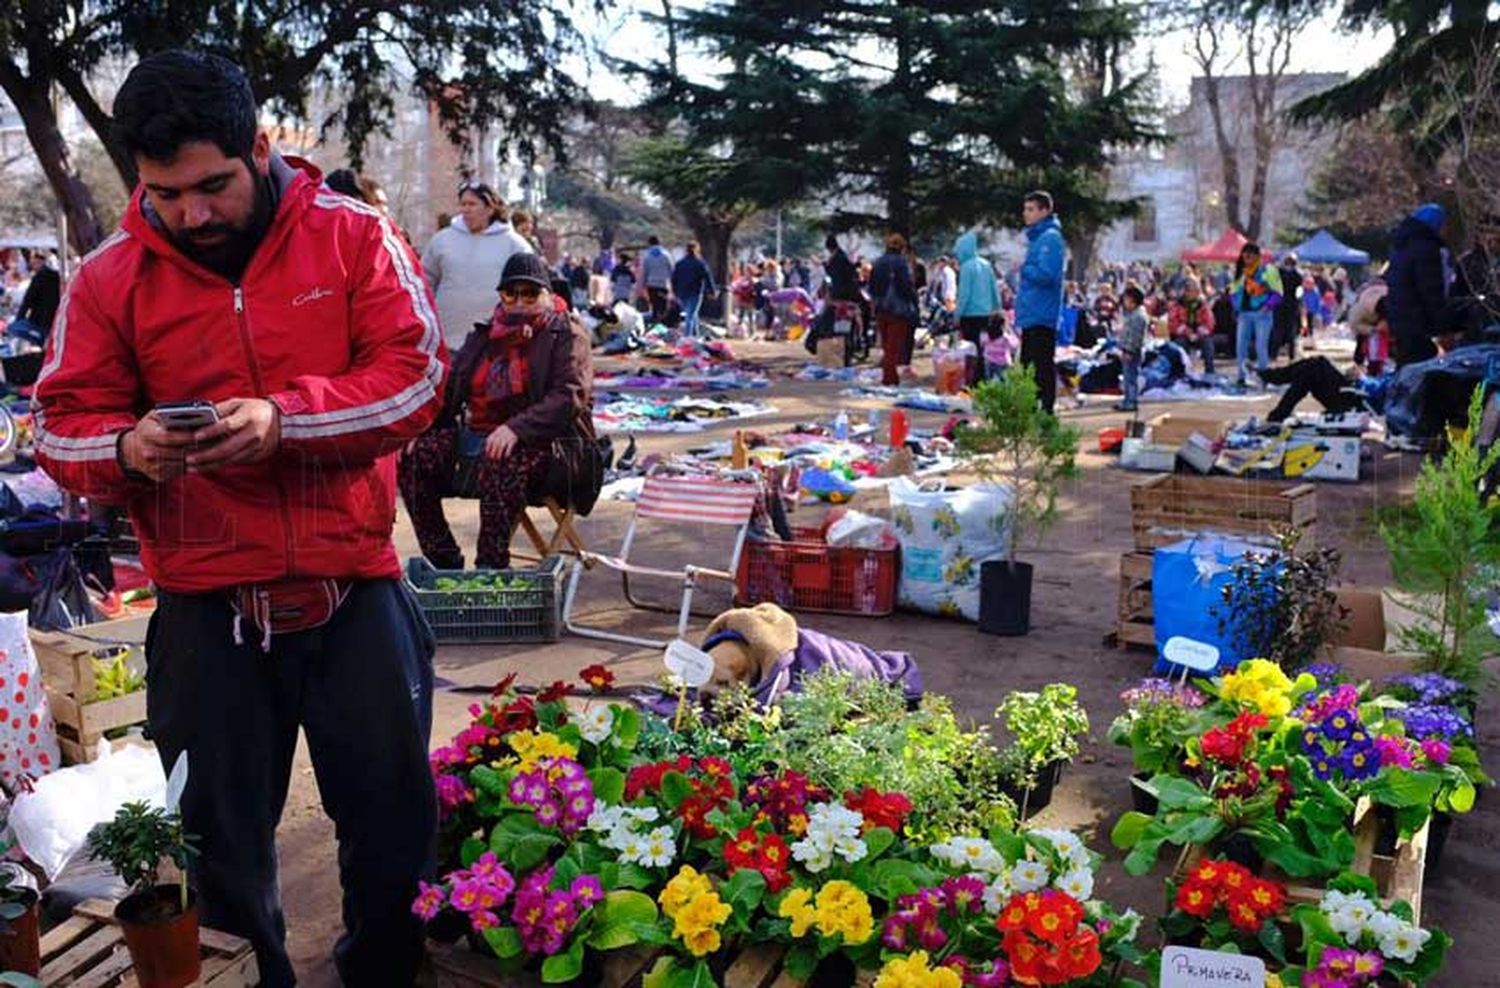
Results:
187 415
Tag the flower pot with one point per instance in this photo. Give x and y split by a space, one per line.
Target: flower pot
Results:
1004 598
163 942
1039 796
1141 798
20 943
1240 849
833 971
1437 839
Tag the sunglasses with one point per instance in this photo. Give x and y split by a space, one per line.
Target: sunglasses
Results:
528 294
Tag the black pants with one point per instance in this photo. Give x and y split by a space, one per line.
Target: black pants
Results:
972 329
658 297
1039 351
361 689
1314 376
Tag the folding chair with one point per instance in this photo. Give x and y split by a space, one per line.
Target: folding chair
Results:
565 539
705 500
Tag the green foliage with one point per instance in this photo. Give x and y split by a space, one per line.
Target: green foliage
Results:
1023 447
1281 603
138 839
1438 557
1045 726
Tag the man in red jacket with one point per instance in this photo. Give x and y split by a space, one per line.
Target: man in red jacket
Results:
237 279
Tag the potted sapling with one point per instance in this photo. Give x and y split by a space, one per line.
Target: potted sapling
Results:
20 931
1045 728
159 921
1027 451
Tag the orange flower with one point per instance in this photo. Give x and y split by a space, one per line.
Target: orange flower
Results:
1080 956
1236 877
1267 897
1208 872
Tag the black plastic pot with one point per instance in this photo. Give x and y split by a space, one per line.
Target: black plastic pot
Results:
1039 797
1437 839
1005 598
1140 798
1240 849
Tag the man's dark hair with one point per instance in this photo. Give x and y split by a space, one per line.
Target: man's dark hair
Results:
1135 293
175 98
653 240
344 182
1039 198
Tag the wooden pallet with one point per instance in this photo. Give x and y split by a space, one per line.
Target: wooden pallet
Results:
87 950
1135 620
755 966
1397 877
1172 507
66 659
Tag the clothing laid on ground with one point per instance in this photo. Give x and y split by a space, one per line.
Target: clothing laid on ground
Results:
464 268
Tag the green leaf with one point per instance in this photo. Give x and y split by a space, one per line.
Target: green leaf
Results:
1179 794
519 841
627 730
1129 829
562 968
1142 857
616 918
1461 799
1195 830
633 876
566 870
1402 787
744 891
1270 937
609 785
878 841
660 975
894 878
505 941
469 853
675 788
697 976
487 780
801 961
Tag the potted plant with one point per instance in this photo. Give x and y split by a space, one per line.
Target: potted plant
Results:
20 936
1440 551
1028 451
160 922
1045 727
1160 716
1220 905
1281 603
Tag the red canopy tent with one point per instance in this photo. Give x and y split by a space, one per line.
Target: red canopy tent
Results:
1226 249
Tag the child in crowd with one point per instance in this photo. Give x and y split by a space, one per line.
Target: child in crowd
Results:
1000 348
622 279
1132 342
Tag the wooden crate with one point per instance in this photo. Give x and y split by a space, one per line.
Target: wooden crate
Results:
1397 876
66 661
1135 623
88 949
1172 507
755 966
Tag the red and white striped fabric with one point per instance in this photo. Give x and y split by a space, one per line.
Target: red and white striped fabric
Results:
700 499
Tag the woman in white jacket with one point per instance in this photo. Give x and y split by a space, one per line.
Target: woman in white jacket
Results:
463 262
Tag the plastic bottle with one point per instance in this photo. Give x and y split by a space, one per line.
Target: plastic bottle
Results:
874 421
899 428
841 426
740 455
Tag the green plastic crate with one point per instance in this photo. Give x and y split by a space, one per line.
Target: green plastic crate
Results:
529 611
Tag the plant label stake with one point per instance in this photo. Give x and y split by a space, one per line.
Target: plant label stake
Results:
1190 654
690 667
1188 967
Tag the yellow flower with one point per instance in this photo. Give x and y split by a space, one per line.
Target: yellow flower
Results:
704 913
797 907
1259 684
1273 980
914 972
843 908
684 887
702 942
532 747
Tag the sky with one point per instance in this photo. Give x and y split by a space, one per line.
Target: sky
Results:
622 32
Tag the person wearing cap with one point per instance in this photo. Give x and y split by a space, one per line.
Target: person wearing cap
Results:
1417 300
517 417
463 260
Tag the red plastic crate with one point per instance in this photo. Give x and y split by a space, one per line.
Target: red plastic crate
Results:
807 574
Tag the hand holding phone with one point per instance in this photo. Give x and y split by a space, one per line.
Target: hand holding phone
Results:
186 416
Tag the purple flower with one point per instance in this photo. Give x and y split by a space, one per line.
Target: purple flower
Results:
964 894
1339 725
1359 761
549 813
895 934
996 977
1393 751
1428 687
1425 721
1326 673
585 891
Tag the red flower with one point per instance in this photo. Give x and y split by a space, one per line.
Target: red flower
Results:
517 715
1196 899
880 809
1045 941
716 767
743 851
503 686
553 693
647 778
1243 914
1222 746
1080 955
598 678
1267 897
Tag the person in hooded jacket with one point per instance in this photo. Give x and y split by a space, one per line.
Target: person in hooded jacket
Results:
692 281
1417 299
656 276
978 296
1039 301
463 260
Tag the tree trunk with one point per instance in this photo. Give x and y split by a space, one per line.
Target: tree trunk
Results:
1265 146
1081 244
713 241
33 102
1229 158
101 122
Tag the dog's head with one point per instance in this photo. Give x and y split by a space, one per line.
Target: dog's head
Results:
733 663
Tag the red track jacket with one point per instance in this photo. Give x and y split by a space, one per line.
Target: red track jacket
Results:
332 321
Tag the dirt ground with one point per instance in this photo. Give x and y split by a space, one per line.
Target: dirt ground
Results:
1073 611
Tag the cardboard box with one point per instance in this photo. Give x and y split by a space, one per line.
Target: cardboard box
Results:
1137 454
1310 456
1198 453
1172 429
1360 647
831 352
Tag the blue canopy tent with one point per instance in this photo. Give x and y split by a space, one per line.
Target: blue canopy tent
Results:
1324 248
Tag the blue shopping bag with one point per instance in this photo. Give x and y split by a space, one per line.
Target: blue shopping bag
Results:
1188 579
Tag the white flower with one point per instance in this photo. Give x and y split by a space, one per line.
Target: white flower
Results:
1128 925
851 849
660 848
814 856
596 724
605 818
1028 876
631 848
973 853
1348 913
642 814
1079 883
1066 842
997 894
1404 942
831 829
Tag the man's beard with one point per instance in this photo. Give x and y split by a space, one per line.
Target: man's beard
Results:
232 247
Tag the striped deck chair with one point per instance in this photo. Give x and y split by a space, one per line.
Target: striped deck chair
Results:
672 501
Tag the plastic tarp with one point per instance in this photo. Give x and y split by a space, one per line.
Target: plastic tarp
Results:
1188 580
1423 397
1324 248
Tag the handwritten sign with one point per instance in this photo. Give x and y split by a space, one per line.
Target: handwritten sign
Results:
1188 967
690 665
1191 653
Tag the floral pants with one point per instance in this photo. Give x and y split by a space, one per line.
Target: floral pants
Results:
425 475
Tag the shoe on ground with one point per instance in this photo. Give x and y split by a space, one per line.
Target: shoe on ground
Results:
1121 406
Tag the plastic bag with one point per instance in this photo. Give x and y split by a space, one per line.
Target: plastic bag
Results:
53 821
28 738
945 536
857 530
1187 592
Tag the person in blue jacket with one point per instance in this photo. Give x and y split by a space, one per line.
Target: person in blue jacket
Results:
978 297
1418 277
691 282
1039 302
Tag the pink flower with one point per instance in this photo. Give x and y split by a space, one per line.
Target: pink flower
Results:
483 920
430 899
452 792
1393 751
586 890
1437 750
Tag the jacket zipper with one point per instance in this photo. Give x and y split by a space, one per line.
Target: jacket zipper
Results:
281 495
